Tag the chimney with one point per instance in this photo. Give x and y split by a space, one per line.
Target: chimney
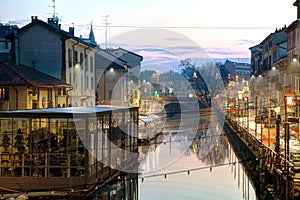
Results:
53 22
297 3
71 30
33 18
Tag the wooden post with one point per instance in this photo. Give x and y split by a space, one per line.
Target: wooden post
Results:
277 144
256 116
269 121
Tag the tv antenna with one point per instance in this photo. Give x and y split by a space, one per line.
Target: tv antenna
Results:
106 25
54 11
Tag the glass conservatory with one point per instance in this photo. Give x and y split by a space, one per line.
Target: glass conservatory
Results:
65 147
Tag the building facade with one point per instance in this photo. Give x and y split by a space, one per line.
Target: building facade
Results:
51 50
23 87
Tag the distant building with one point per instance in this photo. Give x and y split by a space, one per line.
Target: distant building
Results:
132 67
111 78
7 43
237 71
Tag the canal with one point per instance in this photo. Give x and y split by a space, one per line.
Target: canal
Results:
204 166
218 175
179 165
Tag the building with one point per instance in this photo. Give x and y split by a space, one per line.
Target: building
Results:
111 74
68 152
23 87
7 43
268 52
123 79
237 71
53 51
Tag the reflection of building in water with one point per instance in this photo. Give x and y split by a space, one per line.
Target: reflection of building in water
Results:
68 149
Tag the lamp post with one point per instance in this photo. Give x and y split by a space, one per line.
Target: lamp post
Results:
75 81
286 145
195 78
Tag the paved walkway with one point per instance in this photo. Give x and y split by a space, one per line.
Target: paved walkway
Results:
265 136
294 144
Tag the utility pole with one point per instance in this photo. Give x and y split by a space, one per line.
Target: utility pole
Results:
106 24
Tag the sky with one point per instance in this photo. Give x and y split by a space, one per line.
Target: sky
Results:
219 29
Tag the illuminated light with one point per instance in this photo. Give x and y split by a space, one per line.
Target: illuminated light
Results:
77 65
111 69
195 75
194 148
240 96
295 59
289 100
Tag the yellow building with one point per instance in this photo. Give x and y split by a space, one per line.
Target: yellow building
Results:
23 87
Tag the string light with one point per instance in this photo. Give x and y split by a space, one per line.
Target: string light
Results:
196 169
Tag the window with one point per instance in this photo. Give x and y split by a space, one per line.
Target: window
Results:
3 93
58 91
87 82
69 58
75 57
92 83
111 77
86 62
87 65
81 60
275 53
91 64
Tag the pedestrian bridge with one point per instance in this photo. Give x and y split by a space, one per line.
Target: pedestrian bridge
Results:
170 104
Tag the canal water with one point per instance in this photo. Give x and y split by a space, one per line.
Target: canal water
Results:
177 165
208 168
218 175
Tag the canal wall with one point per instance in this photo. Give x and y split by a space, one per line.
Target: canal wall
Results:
249 160
277 177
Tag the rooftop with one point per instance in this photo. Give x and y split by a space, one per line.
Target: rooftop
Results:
66 112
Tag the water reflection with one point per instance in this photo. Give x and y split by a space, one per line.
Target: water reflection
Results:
202 172
123 186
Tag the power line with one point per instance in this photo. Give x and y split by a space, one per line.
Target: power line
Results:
180 27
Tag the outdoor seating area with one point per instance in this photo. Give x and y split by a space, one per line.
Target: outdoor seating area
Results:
65 143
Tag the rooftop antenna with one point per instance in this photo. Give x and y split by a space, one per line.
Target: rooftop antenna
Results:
106 24
55 18
53 6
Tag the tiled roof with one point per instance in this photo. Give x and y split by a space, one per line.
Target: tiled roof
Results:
56 29
26 76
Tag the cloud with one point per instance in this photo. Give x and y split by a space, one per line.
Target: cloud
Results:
172 39
220 51
245 41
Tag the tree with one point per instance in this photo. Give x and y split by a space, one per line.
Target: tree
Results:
19 144
193 75
212 77
5 141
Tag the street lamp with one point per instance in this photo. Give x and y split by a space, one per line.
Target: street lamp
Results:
195 78
157 74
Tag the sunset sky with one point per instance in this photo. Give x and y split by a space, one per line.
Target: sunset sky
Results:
221 29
